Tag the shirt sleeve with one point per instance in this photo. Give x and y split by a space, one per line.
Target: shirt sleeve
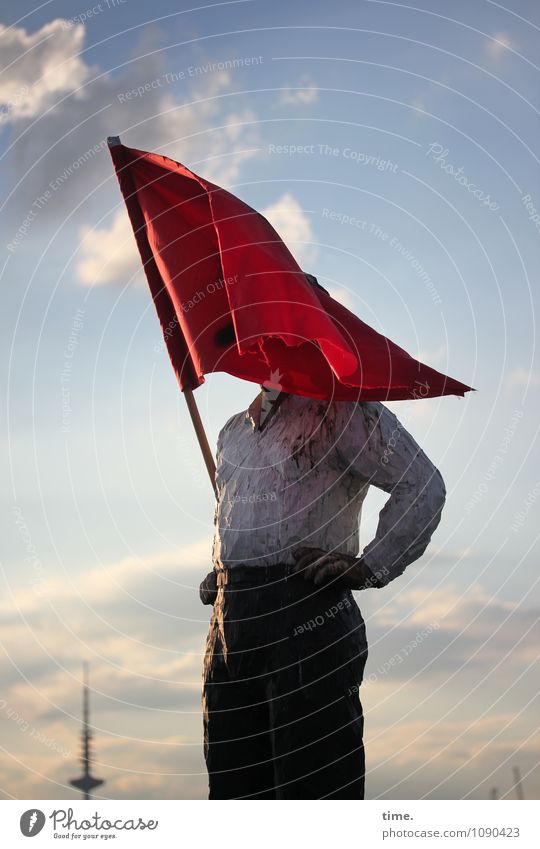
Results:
372 445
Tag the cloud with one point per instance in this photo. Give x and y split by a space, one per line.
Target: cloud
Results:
105 583
444 633
293 225
109 254
233 144
419 412
137 618
38 68
140 622
191 121
434 355
343 296
450 758
305 93
499 44
520 377
419 105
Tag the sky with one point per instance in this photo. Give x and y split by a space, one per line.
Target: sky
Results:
395 149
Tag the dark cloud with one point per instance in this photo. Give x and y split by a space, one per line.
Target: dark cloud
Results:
57 153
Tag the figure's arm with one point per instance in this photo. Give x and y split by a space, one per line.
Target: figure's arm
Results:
377 448
373 446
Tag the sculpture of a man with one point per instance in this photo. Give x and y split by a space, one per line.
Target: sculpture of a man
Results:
287 646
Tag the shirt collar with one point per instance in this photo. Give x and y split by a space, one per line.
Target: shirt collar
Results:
271 400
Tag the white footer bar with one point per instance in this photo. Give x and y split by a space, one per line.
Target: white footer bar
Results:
272 824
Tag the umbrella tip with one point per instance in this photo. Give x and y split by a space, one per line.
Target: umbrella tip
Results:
113 141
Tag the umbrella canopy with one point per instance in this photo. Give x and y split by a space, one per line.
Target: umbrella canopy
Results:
231 297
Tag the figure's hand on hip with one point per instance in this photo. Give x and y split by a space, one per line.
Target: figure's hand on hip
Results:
322 567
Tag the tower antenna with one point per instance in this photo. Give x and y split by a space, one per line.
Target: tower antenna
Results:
87 782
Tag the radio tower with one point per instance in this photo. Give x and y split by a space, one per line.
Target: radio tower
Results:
87 782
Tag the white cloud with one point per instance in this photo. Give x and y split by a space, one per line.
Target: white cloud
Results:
343 296
419 105
452 758
470 626
102 584
294 226
499 44
305 93
109 254
39 68
430 356
416 412
189 121
229 148
520 376
450 606
141 624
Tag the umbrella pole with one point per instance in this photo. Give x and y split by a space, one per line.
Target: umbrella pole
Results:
201 436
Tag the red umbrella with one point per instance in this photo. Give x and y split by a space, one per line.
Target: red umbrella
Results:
231 297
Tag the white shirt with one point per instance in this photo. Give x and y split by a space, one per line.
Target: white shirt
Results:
302 479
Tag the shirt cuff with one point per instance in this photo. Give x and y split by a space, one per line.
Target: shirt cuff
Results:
378 577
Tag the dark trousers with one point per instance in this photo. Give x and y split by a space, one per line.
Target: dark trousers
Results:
283 666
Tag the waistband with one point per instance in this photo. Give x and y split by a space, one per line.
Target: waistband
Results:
244 573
